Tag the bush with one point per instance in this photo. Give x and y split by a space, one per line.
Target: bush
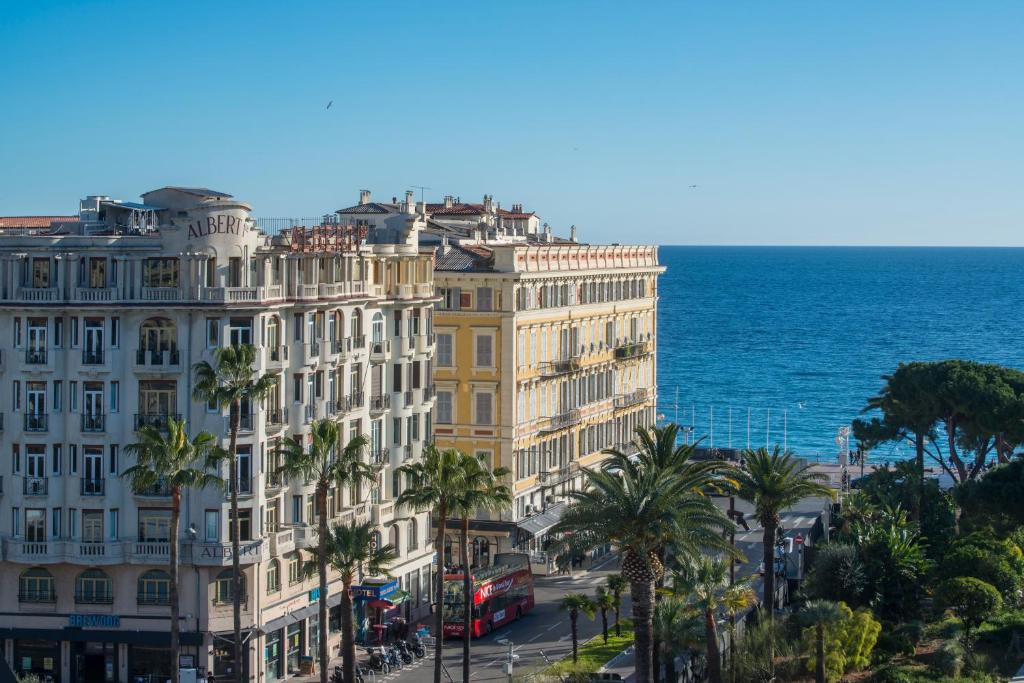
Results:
993 565
837 574
912 630
890 673
892 643
948 660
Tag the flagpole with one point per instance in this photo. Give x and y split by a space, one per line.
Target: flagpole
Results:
768 429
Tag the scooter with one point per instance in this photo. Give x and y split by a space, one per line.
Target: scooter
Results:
339 675
392 657
416 645
378 660
404 651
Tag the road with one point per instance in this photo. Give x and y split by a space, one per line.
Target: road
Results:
546 628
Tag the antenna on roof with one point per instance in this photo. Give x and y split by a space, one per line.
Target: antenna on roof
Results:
421 188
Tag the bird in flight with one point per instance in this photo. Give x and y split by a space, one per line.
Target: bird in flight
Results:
692 186
330 103
801 405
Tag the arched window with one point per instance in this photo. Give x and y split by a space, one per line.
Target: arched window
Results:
357 323
274 576
158 334
294 567
154 588
36 585
412 536
93 587
393 538
225 587
377 328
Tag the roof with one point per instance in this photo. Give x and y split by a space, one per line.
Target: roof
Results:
133 205
370 207
197 191
463 258
538 524
34 221
468 209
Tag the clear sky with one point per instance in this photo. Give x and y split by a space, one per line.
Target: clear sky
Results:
799 122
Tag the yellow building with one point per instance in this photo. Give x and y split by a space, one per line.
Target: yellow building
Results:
545 356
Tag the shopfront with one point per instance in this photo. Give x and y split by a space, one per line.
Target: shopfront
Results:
273 656
371 602
38 656
94 662
148 663
294 642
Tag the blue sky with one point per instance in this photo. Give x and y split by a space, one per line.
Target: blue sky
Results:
799 122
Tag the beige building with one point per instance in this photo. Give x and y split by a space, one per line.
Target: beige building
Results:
545 356
104 315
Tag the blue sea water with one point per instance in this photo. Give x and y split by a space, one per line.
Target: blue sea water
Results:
806 332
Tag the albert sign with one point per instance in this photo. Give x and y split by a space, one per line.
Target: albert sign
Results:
221 224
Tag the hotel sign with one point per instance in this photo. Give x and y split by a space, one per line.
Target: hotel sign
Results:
94 620
221 224
220 553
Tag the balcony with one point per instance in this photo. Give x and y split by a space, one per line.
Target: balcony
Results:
304 535
407 452
98 597
380 351
155 420
312 352
95 552
35 486
38 596
408 346
94 422
281 541
277 417
378 456
277 356
338 407
561 421
380 404
382 513
35 356
153 599
245 423
425 343
151 552
358 342
560 367
307 291
631 399
92 356
160 489
245 487
407 398
157 359
92 487
631 350
90 294
36 422
233 295
339 347
38 293
274 482
310 413
356 399
160 294
429 392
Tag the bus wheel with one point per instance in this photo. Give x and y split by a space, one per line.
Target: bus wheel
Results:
487 629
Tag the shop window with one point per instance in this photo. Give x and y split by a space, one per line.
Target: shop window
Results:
36 585
93 587
154 588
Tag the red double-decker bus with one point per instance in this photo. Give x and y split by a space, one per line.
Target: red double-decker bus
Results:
501 593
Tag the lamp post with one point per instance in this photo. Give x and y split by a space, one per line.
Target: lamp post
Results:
512 656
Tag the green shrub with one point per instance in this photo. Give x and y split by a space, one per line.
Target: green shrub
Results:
948 660
890 673
912 630
971 600
990 565
892 643
837 574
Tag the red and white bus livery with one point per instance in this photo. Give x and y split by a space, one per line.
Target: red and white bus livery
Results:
501 593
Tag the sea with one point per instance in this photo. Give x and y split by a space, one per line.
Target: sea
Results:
784 345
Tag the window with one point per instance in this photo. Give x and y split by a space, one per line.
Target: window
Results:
72 396
94 587
154 588
484 299
115 332
294 568
154 525
160 272
274 577
36 585
244 526
445 350
484 351
115 397
212 526
450 298
484 408
113 458
212 333
226 589
35 525
412 539
58 389
92 526
396 377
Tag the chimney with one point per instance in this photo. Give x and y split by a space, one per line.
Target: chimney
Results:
572 233
444 244
449 201
547 232
488 203
364 197
410 203
517 208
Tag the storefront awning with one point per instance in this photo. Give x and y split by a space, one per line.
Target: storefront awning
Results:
492 526
157 638
375 591
540 524
299 614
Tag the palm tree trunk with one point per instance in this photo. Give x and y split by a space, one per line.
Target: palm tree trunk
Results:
348 639
173 589
618 609
573 616
321 508
642 593
241 663
714 657
819 645
918 513
442 513
604 624
768 595
467 596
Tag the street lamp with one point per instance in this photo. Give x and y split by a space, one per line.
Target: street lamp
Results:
512 656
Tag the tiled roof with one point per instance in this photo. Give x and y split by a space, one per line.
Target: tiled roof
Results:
371 207
464 259
198 191
34 221
464 209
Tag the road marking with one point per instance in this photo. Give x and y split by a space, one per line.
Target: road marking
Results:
535 637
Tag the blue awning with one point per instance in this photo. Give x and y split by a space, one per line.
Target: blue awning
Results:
374 591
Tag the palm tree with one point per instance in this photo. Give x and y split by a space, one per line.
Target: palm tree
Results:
325 466
435 483
641 508
169 458
736 599
772 482
604 601
480 491
228 384
616 585
676 627
574 603
351 550
820 614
